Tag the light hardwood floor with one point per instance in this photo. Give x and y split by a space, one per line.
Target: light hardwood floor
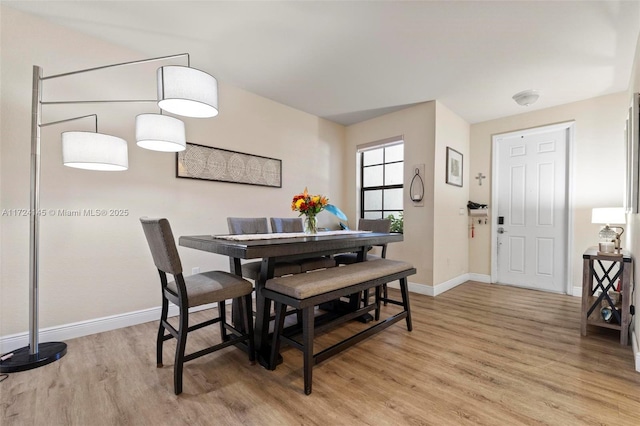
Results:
479 354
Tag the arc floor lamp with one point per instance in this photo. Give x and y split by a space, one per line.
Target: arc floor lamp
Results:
182 90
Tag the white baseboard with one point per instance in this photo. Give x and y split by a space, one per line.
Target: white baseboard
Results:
416 288
448 285
445 286
93 326
483 278
577 291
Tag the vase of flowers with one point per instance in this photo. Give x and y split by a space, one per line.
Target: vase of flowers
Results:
311 224
309 206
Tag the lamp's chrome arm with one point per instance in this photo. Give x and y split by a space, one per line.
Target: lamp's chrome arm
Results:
618 227
141 61
99 101
72 119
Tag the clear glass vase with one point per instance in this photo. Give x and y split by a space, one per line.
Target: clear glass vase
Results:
310 225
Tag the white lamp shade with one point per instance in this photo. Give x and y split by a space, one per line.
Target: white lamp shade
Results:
94 151
160 133
187 91
608 215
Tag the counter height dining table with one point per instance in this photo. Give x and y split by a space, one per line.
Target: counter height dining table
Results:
272 248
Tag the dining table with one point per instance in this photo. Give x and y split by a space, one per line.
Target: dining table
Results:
280 247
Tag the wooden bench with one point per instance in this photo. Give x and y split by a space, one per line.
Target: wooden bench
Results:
305 291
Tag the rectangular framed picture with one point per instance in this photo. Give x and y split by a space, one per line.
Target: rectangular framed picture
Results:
208 163
454 167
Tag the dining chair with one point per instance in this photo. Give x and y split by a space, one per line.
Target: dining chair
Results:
294 224
188 292
258 225
373 225
287 224
248 225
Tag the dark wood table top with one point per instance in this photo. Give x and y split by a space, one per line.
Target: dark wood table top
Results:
287 247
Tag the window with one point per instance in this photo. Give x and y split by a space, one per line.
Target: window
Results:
381 177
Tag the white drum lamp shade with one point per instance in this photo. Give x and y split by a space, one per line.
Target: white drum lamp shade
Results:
187 91
94 151
608 215
160 133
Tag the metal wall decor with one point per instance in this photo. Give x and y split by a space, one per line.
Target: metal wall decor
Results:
208 163
416 188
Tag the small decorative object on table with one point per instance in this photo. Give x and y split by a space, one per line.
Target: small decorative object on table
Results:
609 236
309 206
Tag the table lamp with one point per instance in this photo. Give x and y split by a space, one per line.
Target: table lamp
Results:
609 237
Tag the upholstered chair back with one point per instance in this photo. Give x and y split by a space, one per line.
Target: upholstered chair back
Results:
375 225
286 224
162 245
248 225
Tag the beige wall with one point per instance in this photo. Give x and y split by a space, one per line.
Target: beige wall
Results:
450 228
598 168
417 127
435 234
95 267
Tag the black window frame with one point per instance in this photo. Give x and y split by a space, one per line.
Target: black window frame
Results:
382 187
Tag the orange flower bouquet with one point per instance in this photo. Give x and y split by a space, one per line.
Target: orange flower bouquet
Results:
309 206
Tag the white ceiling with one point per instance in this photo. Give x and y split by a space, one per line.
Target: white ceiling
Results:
349 61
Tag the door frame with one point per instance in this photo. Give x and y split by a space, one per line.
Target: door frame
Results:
569 126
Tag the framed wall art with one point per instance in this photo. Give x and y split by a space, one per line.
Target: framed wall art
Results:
208 163
454 167
632 133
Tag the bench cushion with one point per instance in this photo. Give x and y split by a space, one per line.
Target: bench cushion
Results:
302 286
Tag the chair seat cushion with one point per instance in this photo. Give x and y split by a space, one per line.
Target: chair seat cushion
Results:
349 258
210 287
316 263
252 269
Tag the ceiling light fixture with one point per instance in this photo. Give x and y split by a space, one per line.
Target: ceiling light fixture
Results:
526 97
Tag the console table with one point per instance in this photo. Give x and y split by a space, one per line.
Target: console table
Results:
601 274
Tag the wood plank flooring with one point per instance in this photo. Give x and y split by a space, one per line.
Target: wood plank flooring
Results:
479 354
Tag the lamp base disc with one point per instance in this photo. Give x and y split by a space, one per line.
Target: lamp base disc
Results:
22 360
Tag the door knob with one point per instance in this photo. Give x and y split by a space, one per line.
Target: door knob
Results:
501 230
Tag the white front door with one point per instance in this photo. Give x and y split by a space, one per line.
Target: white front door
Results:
530 218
